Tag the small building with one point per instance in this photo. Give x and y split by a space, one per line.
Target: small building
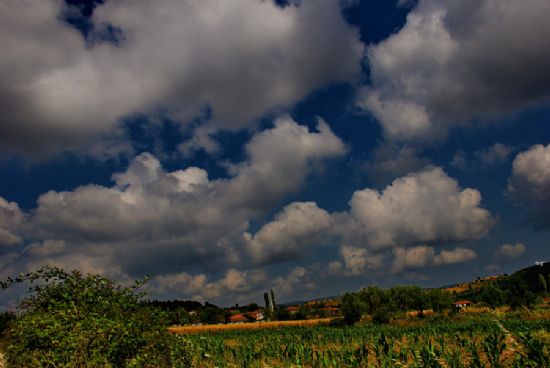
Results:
237 318
462 304
256 316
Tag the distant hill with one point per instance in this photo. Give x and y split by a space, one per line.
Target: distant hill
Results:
531 275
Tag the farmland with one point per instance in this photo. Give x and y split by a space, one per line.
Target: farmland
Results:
465 340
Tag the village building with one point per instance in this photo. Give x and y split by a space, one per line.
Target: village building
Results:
462 304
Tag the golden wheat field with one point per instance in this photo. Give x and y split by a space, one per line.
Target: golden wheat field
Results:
247 326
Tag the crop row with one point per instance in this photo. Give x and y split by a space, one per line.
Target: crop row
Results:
474 342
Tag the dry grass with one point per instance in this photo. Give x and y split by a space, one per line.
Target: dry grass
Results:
426 312
474 310
247 326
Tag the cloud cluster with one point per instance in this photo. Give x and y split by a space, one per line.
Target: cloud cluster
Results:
194 232
454 61
498 153
426 207
509 251
240 59
529 184
422 255
153 220
11 217
298 226
423 207
390 162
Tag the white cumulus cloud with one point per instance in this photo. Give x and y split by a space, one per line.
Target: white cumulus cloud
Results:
423 207
508 251
529 184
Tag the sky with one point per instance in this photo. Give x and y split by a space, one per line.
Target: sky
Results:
309 147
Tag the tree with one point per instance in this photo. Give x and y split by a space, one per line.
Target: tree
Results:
518 293
373 297
440 300
543 282
267 310
71 320
492 294
273 305
352 307
419 300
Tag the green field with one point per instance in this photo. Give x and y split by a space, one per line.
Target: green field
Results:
483 340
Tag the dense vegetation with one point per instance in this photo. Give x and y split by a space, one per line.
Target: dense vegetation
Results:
71 320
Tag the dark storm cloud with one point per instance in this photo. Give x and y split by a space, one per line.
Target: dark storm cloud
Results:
241 58
454 61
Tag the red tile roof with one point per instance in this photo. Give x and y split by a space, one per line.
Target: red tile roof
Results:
237 318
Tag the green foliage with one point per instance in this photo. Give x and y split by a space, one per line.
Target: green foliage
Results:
5 319
71 320
374 297
440 300
536 352
543 282
494 346
212 314
352 307
281 314
518 293
382 314
493 295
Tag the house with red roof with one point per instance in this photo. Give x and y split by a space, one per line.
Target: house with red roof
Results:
237 318
462 304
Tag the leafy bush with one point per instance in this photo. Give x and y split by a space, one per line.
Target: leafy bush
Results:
5 319
71 320
382 315
352 307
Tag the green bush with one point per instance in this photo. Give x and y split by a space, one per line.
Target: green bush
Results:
71 320
352 307
5 319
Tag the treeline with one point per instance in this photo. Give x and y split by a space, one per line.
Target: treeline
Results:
522 289
383 304
181 312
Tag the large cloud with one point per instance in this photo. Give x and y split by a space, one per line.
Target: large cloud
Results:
299 225
424 207
240 58
158 221
455 60
422 255
529 184
11 218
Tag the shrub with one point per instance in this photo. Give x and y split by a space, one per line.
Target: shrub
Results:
71 320
5 319
352 307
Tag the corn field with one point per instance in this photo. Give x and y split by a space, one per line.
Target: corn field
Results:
475 341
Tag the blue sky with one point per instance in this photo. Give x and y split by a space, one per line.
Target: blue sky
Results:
312 147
